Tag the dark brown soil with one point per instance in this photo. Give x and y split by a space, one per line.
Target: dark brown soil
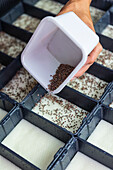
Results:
61 74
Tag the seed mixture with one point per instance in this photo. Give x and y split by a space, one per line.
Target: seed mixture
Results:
105 58
20 85
49 5
1 66
27 22
96 14
61 74
108 31
89 85
10 45
61 112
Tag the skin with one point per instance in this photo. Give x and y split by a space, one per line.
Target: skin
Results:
81 9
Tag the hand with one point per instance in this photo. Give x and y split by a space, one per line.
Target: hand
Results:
81 9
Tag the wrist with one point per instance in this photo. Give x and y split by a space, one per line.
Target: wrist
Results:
81 2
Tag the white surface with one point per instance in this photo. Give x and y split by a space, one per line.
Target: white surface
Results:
102 136
2 113
33 144
7 165
83 162
58 43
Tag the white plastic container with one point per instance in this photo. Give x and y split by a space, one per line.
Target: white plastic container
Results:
63 39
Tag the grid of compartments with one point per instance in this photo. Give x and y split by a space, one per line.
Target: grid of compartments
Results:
97 131
66 113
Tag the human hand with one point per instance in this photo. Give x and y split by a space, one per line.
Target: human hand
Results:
81 9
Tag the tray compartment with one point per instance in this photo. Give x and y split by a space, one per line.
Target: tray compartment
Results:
97 126
21 116
68 109
78 145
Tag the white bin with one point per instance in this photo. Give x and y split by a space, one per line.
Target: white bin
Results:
63 39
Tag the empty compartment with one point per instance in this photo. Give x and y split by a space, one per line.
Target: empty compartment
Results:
9 160
20 85
67 113
81 155
89 85
6 105
43 145
80 160
99 128
7 165
49 5
38 142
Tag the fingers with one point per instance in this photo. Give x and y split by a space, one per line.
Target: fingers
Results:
82 71
94 54
91 59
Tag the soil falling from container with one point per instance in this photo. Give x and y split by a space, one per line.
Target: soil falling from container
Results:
61 74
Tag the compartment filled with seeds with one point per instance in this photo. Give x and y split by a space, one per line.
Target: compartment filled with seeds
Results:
49 5
99 129
65 113
6 105
96 14
20 85
89 85
60 112
37 143
27 22
82 155
26 18
10 45
106 58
